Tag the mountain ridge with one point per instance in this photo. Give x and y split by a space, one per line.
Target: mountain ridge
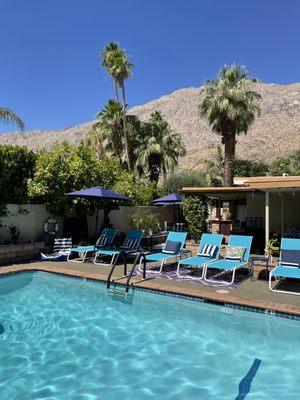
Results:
275 133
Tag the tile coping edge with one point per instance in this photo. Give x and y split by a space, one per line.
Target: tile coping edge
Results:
259 307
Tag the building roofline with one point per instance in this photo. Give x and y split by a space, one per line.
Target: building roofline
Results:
260 183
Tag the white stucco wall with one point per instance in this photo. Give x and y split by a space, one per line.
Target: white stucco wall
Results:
30 223
121 218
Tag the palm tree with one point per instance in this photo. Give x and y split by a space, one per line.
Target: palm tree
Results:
119 68
109 129
172 144
159 149
108 55
8 116
135 131
230 106
95 140
122 71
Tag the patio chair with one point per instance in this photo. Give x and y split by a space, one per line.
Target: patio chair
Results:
208 252
173 249
173 237
106 239
289 264
131 245
234 262
60 252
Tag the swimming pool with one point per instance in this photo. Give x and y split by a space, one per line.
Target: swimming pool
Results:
64 338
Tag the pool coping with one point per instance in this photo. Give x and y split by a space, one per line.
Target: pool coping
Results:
279 310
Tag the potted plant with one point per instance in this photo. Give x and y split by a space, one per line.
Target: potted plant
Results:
146 220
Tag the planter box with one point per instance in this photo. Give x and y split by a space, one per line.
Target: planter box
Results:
12 253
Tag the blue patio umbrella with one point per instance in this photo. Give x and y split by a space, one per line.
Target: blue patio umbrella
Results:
100 194
165 203
172 199
169 198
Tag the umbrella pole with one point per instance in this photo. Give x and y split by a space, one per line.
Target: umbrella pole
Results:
96 222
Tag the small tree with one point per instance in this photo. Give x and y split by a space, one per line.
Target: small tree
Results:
195 212
65 168
16 165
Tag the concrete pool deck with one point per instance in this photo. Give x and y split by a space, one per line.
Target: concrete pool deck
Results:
249 293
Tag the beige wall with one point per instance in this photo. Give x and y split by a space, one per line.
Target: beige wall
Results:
30 223
291 209
121 218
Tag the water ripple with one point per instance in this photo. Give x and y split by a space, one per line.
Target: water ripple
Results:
66 339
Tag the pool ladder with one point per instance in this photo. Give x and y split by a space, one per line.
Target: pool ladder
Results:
136 262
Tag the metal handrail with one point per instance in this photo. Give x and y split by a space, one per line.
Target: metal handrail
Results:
113 268
124 254
136 261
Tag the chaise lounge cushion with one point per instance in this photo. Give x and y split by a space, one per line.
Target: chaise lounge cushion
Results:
290 257
172 247
208 251
234 252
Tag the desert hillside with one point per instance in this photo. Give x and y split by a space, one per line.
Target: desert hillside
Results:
275 133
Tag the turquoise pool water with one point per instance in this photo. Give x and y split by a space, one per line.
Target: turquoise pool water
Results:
62 338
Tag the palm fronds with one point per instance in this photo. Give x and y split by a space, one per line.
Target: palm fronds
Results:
9 116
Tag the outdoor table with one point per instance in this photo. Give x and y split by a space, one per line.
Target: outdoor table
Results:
261 259
154 237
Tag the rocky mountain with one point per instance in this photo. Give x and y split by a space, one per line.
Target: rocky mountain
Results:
276 132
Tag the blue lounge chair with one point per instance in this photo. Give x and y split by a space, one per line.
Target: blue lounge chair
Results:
106 239
131 245
165 255
200 261
289 263
229 264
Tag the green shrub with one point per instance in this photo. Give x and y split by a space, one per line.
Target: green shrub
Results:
248 168
289 165
17 166
195 212
175 182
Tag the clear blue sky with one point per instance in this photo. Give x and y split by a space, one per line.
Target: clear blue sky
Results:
49 63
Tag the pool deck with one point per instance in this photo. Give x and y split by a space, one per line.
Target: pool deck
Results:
250 293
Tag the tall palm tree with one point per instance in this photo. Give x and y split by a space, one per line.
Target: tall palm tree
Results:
108 55
122 71
119 68
230 106
9 116
159 149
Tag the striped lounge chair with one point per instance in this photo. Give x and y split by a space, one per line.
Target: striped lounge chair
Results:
61 250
